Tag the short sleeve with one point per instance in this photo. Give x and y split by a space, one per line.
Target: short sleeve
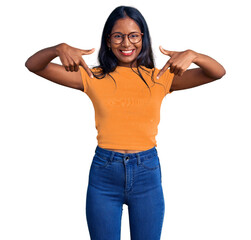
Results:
85 77
167 79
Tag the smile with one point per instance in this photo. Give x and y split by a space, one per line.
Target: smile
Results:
127 53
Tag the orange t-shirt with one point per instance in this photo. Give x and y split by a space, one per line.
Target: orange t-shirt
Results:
127 116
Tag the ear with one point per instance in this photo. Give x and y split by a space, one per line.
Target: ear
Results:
108 43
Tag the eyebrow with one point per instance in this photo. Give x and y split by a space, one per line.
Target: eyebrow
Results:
123 33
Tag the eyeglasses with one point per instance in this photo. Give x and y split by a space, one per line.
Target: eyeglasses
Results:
118 37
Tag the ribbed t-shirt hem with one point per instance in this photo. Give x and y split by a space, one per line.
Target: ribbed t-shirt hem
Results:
134 147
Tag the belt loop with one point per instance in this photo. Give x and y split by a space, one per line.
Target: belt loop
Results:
138 159
111 157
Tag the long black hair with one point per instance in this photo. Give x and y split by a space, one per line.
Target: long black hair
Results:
108 61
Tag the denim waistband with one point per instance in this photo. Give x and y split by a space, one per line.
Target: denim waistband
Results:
113 155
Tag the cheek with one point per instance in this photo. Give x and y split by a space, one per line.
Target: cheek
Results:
139 49
115 51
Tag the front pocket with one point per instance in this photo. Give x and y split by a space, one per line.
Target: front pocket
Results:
100 162
151 163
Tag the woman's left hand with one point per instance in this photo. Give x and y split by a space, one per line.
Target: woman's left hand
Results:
179 61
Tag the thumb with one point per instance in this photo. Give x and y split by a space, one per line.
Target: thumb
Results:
166 52
86 52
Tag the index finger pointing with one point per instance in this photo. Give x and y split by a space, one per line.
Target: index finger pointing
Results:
87 69
167 65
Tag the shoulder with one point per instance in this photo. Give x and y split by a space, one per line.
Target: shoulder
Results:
148 70
96 69
154 69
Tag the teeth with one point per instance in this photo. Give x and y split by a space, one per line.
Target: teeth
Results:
127 51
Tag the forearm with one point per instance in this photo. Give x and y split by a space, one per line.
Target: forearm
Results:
210 66
40 59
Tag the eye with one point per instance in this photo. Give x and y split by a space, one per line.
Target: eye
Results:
134 35
117 35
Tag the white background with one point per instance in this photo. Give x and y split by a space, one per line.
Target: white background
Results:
48 134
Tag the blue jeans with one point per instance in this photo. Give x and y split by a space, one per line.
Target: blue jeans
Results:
133 179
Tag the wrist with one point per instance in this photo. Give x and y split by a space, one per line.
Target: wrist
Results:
195 56
57 48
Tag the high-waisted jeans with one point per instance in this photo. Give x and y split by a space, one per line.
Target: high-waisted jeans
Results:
133 179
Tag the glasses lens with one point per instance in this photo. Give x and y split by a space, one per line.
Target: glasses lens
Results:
135 37
116 38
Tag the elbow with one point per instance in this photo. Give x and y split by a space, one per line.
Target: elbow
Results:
221 74
27 65
223 71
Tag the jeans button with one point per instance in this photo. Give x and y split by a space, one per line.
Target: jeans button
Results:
126 158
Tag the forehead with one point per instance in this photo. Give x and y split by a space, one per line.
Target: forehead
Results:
125 25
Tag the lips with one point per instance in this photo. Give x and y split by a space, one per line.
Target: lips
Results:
127 52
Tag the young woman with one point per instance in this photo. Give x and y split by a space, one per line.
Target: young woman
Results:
126 91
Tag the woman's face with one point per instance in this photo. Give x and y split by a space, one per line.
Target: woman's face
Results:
125 26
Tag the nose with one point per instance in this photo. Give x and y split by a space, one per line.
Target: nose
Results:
126 41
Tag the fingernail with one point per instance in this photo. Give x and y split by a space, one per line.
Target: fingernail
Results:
157 77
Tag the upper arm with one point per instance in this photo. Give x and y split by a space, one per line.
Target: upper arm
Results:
57 73
190 78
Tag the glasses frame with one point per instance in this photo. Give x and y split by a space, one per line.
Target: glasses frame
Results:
123 36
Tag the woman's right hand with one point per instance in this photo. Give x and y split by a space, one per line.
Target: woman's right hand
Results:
71 57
